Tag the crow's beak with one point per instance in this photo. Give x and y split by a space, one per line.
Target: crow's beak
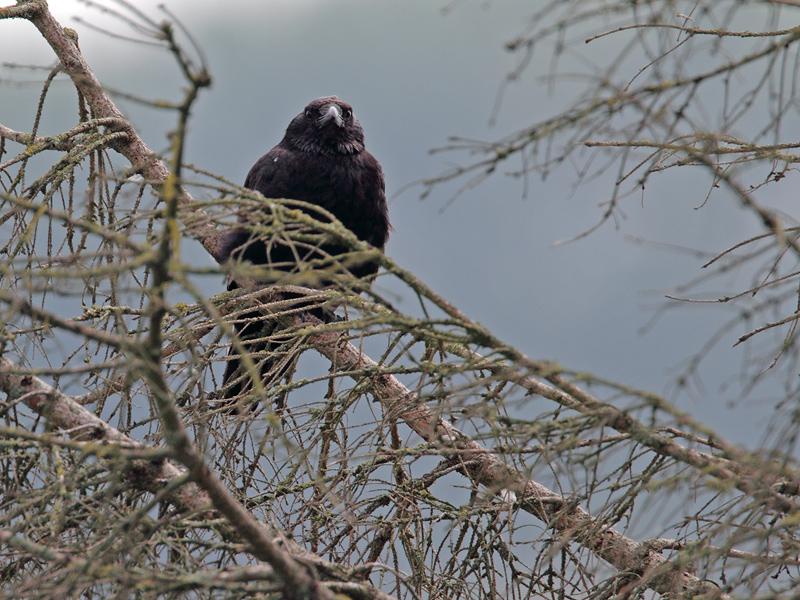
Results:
331 112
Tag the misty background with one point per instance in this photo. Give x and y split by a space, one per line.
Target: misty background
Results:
416 73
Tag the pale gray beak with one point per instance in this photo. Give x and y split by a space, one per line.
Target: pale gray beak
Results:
331 111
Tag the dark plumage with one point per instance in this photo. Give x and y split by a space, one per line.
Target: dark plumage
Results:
320 160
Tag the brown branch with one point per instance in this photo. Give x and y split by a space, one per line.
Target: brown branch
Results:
483 467
206 578
23 10
63 141
65 414
692 31
152 475
142 158
756 482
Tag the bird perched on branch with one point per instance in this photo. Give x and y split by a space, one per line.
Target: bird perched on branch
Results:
320 160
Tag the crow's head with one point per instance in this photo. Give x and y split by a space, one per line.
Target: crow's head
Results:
326 126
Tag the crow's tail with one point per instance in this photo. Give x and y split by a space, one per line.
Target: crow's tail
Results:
270 364
273 359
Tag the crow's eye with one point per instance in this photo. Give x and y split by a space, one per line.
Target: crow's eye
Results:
309 113
347 113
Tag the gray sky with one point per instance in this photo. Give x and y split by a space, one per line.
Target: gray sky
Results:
416 76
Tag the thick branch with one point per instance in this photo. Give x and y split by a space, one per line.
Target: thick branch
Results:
63 142
141 157
483 467
66 414
25 10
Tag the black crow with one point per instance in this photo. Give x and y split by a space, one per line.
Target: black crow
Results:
320 160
